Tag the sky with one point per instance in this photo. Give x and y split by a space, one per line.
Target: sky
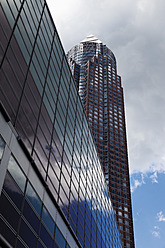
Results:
135 32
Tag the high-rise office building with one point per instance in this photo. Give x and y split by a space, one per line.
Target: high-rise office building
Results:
52 187
101 93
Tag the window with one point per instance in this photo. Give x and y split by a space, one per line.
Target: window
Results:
33 198
126 215
120 220
121 228
119 206
126 209
17 173
127 237
126 222
127 229
48 221
125 196
59 238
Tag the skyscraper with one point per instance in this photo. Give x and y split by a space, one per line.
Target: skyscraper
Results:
101 93
52 188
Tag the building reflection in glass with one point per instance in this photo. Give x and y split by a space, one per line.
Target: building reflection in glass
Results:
43 104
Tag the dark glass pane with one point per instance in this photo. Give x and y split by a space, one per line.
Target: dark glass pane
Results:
32 93
8 97
30 216
12 190
48 221
8 212
46 125
7 233
38 163
88 215
26 121
103 244
11 76
87 243
17 173
33 198
20 129
98 236
72 213
22 44
18 65
34 74
40 245
27 235
81 213
65 211
87 231
58 148
59 238
80 239
73 225
56 246
19 244
16 52
80 230
46 238
93 244
5 30
41 152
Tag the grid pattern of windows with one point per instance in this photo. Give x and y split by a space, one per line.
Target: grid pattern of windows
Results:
29 222
40 97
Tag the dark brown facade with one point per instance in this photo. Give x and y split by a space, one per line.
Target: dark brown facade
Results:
102 96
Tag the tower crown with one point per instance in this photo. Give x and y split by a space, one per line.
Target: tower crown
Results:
91 38
89 48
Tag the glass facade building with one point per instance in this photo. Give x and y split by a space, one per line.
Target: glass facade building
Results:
52 187
101 93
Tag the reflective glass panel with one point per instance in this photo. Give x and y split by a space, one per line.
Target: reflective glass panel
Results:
59 238
17 173
33 198
48 221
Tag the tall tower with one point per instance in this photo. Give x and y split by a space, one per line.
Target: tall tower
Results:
101 93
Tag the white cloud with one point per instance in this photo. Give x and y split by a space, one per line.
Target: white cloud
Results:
154 177
156 234
134 30
160 216
137 183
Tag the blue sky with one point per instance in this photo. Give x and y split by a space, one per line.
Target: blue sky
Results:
149 210
134 31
